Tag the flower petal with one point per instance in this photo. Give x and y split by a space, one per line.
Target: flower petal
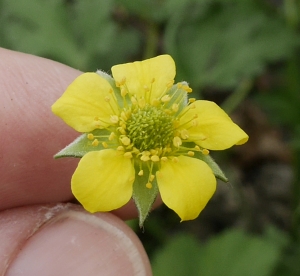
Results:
83 105
103 180
212 129
139 76
186 186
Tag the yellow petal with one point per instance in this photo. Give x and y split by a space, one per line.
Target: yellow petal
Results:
186 186
103 180
212 128
83 106
152 76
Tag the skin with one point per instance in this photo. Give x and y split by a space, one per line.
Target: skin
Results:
40 232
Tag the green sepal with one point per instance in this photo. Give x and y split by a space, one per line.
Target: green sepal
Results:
179 96
112 83
143 196
213 165
82 145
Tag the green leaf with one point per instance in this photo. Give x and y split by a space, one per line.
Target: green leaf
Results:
82 145
143 196
233 253
213 48
179 257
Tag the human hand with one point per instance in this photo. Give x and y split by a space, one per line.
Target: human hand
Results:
38 235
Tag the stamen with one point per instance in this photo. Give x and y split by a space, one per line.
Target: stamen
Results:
120 148
125 140
164 159
154 158
105 145
205 151
165 98
95 143
114 119
175 159
90 136
184 134
128 154
151 178
141 172
149 185
177 141
112 136
145 158
191 153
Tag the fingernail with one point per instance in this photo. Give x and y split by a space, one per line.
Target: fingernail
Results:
78 243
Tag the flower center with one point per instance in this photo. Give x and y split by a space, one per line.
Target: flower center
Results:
150 128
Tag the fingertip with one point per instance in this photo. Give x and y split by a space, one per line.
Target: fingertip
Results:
71 241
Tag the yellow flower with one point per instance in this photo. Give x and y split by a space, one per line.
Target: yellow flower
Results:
143 137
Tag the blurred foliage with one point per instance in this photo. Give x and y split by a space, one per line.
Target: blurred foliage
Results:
228 50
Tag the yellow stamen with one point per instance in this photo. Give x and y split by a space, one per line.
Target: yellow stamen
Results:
120 148
114 119
90 136
95 143
149 185
155 158
191 153
152 176
105 145
165 98
175 159
205 151
164 159
184 134
112 136
177 141
141 172
125 140
128 154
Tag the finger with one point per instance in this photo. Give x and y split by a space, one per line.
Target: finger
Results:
65 240
30 134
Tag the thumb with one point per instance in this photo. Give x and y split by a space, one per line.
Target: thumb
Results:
65 240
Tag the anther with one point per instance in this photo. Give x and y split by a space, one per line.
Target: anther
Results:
145 158
114 119
177 141
123 92
107 98
151 178
149 185
191 153
175 159
105 145
133 100
120 148
90 136
192 100
175 107
155 158
141 172
112 136
128 154
95 143
184 134
164 159
121 130
165 98
125 140
205 151
155 102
